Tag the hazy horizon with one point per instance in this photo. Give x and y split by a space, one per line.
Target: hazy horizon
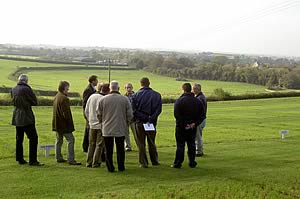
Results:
239 27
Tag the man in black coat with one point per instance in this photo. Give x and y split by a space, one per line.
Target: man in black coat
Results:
23 118
189 113
90 89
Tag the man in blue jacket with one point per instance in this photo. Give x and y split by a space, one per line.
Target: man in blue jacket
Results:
189 113
23 118
146 105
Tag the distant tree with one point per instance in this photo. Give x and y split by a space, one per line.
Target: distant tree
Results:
273 80
185 62
294 80
220 60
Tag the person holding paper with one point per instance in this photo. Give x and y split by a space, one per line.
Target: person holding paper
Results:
146 105
188 112
115 114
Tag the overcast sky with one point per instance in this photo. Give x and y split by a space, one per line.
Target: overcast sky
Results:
238 26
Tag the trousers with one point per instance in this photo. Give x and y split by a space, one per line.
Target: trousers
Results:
31 133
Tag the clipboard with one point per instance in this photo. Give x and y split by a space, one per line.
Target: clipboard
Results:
148 127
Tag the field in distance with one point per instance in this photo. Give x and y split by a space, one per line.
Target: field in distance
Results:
168 87
245 158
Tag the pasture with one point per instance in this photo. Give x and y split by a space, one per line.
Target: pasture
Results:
245 158
168 87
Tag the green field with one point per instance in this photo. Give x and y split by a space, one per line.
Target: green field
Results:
167 86
245 158
9 66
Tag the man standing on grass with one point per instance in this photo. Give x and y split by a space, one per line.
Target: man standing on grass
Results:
129 93
146 105
96 141
62 124
115 114
90 89
23 118
188 112
199 141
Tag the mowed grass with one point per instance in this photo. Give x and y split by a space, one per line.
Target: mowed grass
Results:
9 66
245 158
168 87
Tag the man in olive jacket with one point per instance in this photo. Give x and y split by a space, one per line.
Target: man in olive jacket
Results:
23 118
62 123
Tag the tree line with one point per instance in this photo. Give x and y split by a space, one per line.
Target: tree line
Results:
272 72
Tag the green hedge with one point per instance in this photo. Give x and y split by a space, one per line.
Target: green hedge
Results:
78 101
40 92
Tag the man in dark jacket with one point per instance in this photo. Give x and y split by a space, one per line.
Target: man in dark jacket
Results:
199 142
188 112
146 105
62 123
23 118
90 89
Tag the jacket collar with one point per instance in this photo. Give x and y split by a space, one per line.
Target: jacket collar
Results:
117 92
61 93
23 84
91 87
199 94
189 94
146 88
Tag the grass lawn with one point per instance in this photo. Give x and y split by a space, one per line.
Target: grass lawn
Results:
165 85
245 158
168 87
9 66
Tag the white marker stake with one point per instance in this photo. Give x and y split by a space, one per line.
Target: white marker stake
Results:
283 133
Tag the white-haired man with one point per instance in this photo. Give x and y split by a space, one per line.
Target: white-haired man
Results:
199 141
23 118
115 114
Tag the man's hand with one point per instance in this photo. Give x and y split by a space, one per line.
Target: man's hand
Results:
190 126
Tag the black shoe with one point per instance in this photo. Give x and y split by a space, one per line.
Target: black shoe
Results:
143 166
121 169
176 166
111 169
21 162
155 164
199 154
61 161
96 165
73 162
193 165
36 164
89 165
128 149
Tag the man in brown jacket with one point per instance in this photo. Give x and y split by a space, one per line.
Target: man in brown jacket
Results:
115 114
62 123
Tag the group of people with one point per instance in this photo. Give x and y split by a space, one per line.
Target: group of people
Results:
109 116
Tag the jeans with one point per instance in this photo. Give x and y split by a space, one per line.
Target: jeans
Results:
199 141
59 141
